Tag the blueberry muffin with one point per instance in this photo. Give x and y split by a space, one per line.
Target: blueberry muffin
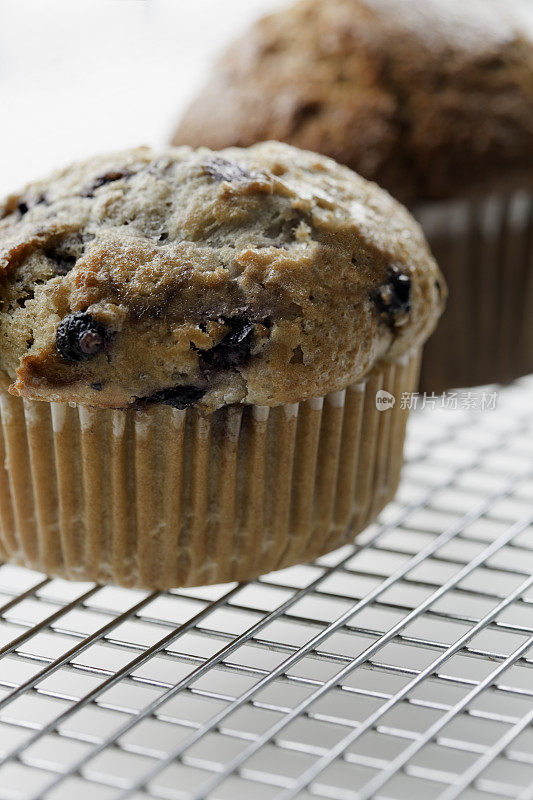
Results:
191 347
434 101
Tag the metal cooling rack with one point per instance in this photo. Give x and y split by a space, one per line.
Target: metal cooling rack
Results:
399 669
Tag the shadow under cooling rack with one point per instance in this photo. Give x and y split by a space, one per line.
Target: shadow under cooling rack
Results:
399 669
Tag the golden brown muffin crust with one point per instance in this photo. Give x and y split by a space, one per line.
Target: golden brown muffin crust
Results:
430 98
265 276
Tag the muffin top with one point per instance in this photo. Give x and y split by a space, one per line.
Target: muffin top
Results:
192 277
430 98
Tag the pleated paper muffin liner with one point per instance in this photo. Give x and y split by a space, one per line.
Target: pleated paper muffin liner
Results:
163 498
485 251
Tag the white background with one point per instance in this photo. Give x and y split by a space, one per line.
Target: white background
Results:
79 77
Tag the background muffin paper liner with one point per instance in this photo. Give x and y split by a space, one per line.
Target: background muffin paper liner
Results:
162 498
485 251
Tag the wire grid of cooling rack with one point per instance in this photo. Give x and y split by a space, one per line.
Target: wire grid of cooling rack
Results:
401 668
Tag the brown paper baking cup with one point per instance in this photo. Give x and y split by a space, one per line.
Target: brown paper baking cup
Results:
162 498
485 251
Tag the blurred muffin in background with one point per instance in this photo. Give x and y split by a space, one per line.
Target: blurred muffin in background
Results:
432 99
